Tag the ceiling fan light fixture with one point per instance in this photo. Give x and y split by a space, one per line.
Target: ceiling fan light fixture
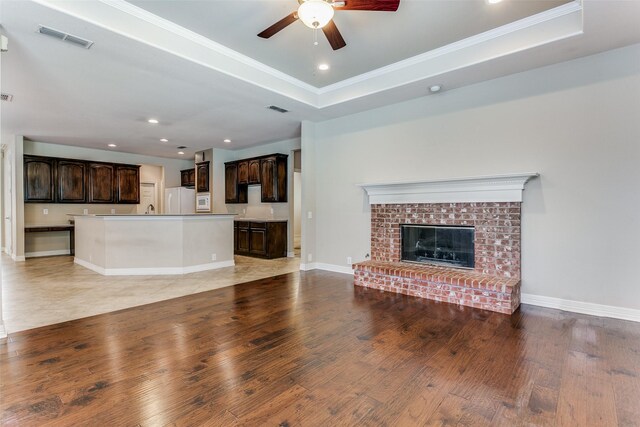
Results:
315 13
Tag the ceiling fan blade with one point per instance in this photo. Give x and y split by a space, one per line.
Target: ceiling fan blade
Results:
280 25
379 5
333 35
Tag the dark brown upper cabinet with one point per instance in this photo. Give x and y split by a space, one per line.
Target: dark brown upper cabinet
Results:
39 179
273 175
72 181
102 177
188 177
268 171
127 184
231 182
243 172
254 171
202 176
55 180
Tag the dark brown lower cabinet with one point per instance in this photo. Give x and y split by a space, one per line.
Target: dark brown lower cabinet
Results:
242 237
263 239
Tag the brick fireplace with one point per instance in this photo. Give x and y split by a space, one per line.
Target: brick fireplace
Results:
491 205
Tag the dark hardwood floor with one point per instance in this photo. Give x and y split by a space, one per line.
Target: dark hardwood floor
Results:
310 349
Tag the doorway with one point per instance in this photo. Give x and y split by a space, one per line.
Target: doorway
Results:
297 201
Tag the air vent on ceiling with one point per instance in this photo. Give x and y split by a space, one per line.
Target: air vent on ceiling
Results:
278 109
6 97
61 35
182 147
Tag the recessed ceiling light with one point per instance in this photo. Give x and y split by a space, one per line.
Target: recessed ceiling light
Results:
164 140
180 152
227 141
323 67
493 1
153 121
435 88
112 145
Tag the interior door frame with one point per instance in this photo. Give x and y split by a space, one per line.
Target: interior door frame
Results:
7 200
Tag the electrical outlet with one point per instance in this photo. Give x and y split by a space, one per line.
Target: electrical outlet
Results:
244 211
213 257
271 211
45 211
309 257
349 260
113 211
85 211
309 215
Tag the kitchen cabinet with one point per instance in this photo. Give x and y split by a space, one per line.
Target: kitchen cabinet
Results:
72 181
243 172
202 177
242 237
188 178
263 239
127 184
254 171
233 192
56 180
101 179
273 175
268 171
39 179
231 183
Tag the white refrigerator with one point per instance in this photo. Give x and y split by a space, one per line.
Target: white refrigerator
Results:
179 200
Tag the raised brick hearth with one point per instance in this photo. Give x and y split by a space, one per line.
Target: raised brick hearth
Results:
463 287
494 283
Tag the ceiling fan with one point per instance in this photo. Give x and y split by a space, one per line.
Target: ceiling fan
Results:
318 14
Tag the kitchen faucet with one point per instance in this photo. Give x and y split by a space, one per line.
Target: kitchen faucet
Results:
150 209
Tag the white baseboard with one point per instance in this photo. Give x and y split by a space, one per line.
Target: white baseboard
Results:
47 253
3 331
308 266
17 258
326 267
582 307
153 271
335 268
291 254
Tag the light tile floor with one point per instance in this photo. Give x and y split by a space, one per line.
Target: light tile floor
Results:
44 291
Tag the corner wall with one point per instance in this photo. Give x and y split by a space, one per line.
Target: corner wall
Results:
576 123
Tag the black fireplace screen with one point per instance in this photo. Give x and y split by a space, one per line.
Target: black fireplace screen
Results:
446 245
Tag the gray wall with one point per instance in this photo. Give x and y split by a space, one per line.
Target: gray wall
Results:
576 123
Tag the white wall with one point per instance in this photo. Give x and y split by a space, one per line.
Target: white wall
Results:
576 123
255 208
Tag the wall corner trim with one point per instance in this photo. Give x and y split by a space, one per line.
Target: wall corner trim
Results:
581 307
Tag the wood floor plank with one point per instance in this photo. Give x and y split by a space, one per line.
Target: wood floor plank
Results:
309 348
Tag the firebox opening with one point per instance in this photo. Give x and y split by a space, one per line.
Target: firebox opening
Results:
433 244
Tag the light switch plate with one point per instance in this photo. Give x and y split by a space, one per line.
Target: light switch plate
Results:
85 211
45 211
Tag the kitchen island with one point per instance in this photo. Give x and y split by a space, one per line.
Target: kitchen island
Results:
153 244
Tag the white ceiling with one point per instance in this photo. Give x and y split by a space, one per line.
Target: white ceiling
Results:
201 70
374 39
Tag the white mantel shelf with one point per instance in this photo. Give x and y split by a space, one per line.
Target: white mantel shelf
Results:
495 188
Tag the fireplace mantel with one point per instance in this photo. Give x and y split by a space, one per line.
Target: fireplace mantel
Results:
496 188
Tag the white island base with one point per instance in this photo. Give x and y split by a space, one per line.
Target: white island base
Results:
153 244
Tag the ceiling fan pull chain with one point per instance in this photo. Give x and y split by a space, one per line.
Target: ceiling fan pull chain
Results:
315 37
